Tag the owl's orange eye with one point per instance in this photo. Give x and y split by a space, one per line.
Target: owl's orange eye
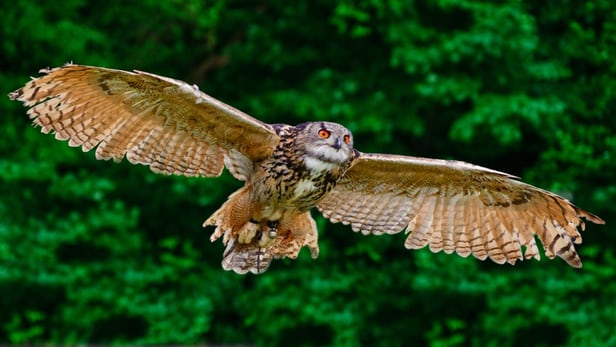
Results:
324 133
346 139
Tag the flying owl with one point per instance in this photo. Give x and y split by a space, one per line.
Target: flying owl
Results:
176 129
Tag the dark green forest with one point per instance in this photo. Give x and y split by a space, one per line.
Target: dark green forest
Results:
97 252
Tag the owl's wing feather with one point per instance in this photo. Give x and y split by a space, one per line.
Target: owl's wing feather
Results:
152 120
455 207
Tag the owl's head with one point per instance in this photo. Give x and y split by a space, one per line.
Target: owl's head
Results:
327 142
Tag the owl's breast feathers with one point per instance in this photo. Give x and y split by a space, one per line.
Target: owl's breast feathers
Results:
291 177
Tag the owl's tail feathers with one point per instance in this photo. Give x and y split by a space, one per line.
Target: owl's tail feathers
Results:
251 246
246 257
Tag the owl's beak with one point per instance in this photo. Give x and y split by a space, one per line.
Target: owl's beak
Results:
338 143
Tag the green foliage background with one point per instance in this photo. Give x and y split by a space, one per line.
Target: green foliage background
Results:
93 252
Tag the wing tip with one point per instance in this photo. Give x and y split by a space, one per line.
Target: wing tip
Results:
16 94
593 218
577 265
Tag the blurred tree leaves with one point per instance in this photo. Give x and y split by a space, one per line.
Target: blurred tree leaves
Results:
97 252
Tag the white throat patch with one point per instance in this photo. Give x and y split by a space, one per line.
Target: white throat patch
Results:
318 165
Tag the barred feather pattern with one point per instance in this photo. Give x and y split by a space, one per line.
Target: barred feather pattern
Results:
453 206
174 128
151 120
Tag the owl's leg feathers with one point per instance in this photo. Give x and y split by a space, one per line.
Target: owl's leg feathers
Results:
256 256
250 245
248 232
232 216
242 236
293 234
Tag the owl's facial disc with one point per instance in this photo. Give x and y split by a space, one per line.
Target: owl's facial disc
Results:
329 142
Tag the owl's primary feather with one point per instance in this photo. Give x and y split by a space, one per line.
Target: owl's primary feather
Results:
176 129
152 120
455 206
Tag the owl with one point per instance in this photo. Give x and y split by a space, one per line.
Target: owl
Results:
287 171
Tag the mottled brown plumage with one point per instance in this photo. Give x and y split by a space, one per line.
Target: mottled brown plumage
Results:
270 216
176 129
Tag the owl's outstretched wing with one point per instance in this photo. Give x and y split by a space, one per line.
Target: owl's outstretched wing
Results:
455 206
152 120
